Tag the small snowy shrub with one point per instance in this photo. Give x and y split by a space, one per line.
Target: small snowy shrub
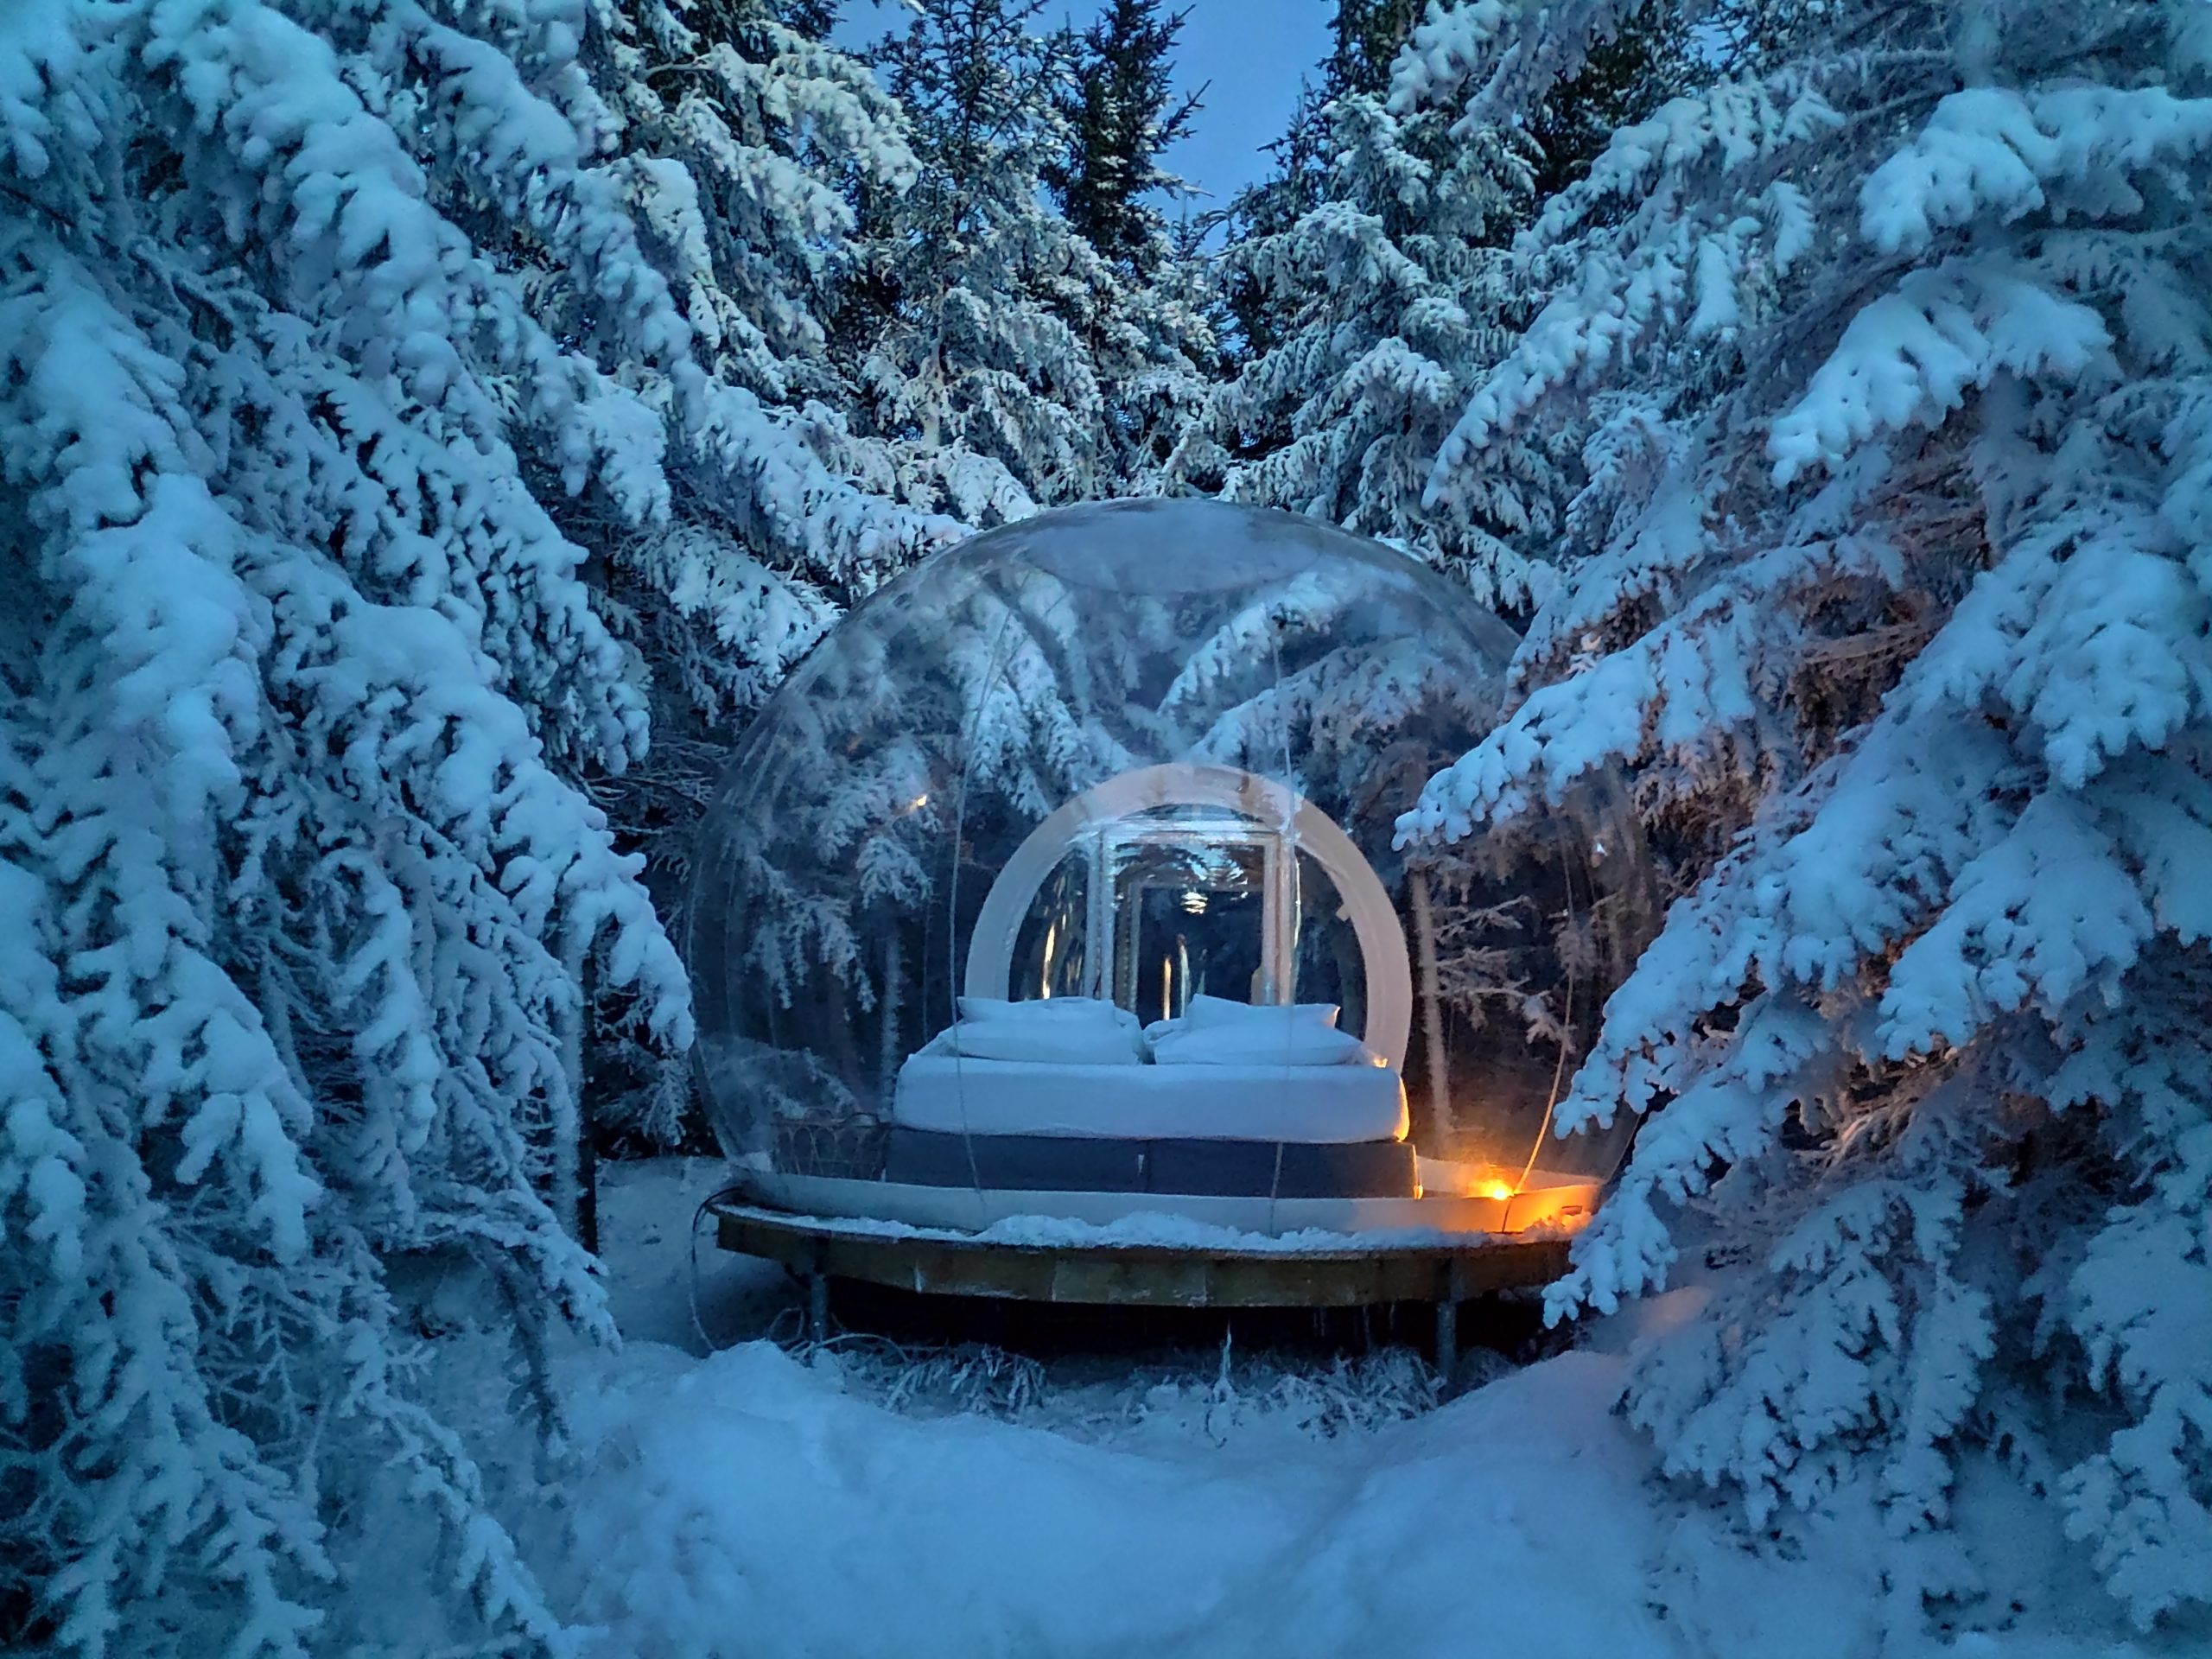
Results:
1218 1400
970 1377
1342 1396
1894 574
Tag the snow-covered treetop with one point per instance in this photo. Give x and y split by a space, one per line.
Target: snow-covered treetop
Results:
976 373
1391 297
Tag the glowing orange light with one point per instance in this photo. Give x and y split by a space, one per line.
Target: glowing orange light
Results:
1473 1180
1500 1201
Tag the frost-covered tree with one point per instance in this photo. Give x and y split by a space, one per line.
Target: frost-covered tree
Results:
1894 351
1120 114
1391 296
1385 303
1269 207
329 331
747 138
1146 321
741 142
1364 36
972 363
744 146
1155 344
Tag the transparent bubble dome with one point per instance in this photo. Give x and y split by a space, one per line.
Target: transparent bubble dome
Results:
1143 752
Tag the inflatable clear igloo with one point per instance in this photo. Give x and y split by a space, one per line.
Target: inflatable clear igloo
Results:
1060 880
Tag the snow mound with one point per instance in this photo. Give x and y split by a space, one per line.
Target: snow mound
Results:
754 1496
753 1503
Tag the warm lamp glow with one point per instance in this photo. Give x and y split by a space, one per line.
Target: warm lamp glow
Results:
1473 1180
1505 1199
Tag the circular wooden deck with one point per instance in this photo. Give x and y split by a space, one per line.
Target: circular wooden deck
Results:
1367 1271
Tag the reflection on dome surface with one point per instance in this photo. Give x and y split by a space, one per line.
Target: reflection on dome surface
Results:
1150 754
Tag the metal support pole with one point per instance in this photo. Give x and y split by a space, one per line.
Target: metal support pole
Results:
588 1192
1441 1126
1448 1322
817 1306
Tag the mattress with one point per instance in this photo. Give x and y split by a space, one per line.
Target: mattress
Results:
1324 1105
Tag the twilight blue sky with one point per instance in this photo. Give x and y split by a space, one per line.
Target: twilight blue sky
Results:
1252 51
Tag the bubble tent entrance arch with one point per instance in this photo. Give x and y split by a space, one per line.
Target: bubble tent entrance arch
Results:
1118 800
1152 752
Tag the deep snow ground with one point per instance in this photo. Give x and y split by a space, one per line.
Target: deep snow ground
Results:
752 1503
647 1215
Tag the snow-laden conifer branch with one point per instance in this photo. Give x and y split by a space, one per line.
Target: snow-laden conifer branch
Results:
1896 495
330 330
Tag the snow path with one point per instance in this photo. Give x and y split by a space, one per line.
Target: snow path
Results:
647 1208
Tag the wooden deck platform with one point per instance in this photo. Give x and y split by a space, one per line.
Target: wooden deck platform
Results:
1366 1272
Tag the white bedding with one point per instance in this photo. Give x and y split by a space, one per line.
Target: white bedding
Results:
1325 1105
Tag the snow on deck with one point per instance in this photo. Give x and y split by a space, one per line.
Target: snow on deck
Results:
1152 1229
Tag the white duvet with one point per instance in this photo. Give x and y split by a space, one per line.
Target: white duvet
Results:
1326 1105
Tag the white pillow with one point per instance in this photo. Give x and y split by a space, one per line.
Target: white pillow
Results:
1032 1009
1211 1012
1065 1030
1283 1039
1076 1044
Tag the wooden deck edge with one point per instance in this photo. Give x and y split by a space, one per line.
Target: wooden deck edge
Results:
1143 1275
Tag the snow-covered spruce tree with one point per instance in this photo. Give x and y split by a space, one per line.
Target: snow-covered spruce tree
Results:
1120 113
1899 529
1390 300
1148 325
1392 297
742 144
1157 353
1289 191
739 140
1364 36
746 138
971 361
290 651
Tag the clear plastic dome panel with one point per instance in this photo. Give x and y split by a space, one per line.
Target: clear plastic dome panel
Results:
1145 753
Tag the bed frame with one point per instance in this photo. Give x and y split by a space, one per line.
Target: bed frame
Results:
1182 1166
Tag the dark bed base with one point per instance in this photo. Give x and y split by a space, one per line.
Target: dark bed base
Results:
1226 1169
